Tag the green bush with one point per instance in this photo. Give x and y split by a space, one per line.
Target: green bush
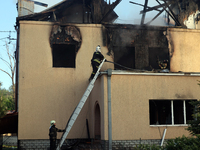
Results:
5 147
183 143
6 102
148 147
194 127
180 143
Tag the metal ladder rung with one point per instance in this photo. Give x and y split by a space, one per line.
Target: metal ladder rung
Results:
79 108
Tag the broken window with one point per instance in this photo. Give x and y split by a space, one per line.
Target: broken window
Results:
125 56
65 42
64 55
170 112
158 54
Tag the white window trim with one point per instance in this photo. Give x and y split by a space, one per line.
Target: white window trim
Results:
169 125
172 112
184 111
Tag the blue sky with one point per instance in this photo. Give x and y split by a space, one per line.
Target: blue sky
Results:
8 15
128 14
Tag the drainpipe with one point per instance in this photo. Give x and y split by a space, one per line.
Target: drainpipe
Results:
163 138
17 69
109 110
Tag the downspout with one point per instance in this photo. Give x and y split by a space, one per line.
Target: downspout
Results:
17 28
17 68
109 110
163 138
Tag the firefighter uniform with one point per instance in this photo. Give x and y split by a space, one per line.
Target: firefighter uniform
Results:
96 61
53 135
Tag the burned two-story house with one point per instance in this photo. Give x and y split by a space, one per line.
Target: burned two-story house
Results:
144 99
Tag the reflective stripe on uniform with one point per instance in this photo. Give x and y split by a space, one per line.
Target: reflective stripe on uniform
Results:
97 60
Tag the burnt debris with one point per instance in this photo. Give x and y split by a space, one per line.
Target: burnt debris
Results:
177 10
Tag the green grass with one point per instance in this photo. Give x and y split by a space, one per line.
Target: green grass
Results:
6 147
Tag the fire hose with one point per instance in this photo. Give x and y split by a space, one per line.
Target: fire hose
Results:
120 65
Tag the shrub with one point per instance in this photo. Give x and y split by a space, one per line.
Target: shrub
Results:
148 147
183 143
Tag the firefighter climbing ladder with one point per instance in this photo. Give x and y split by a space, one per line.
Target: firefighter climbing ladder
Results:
78 108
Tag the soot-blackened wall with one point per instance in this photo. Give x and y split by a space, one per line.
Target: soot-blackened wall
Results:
136 47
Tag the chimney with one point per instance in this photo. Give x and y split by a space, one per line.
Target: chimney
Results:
25 7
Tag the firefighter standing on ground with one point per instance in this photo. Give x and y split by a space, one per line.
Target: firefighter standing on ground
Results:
53 134
96 60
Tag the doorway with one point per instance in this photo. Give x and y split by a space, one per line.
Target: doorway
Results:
97 127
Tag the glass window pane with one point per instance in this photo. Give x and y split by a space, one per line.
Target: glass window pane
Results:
160 112
189 110
178 112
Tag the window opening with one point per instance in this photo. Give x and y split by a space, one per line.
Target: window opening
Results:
178 112
160 112
64 55
65 42
189 110
170 112
156 54
124 56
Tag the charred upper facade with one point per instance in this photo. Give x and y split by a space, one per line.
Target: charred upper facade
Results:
136 47
131 46
77 11
186 8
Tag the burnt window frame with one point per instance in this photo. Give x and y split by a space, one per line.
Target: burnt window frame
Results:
65 35
158 53
186 117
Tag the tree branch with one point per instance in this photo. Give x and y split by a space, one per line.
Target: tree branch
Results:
6 72
6 62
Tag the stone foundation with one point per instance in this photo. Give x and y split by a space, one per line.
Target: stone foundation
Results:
130 144
83 144
33 144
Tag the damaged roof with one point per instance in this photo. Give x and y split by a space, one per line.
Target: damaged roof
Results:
82 11
176 10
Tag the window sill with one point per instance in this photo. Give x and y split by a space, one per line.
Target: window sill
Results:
168 125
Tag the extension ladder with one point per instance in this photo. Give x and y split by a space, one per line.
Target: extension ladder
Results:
78 108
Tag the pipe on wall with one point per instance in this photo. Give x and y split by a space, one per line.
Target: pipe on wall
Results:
109 110
163 138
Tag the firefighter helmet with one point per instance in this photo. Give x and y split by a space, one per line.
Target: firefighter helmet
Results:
98 49
52 122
